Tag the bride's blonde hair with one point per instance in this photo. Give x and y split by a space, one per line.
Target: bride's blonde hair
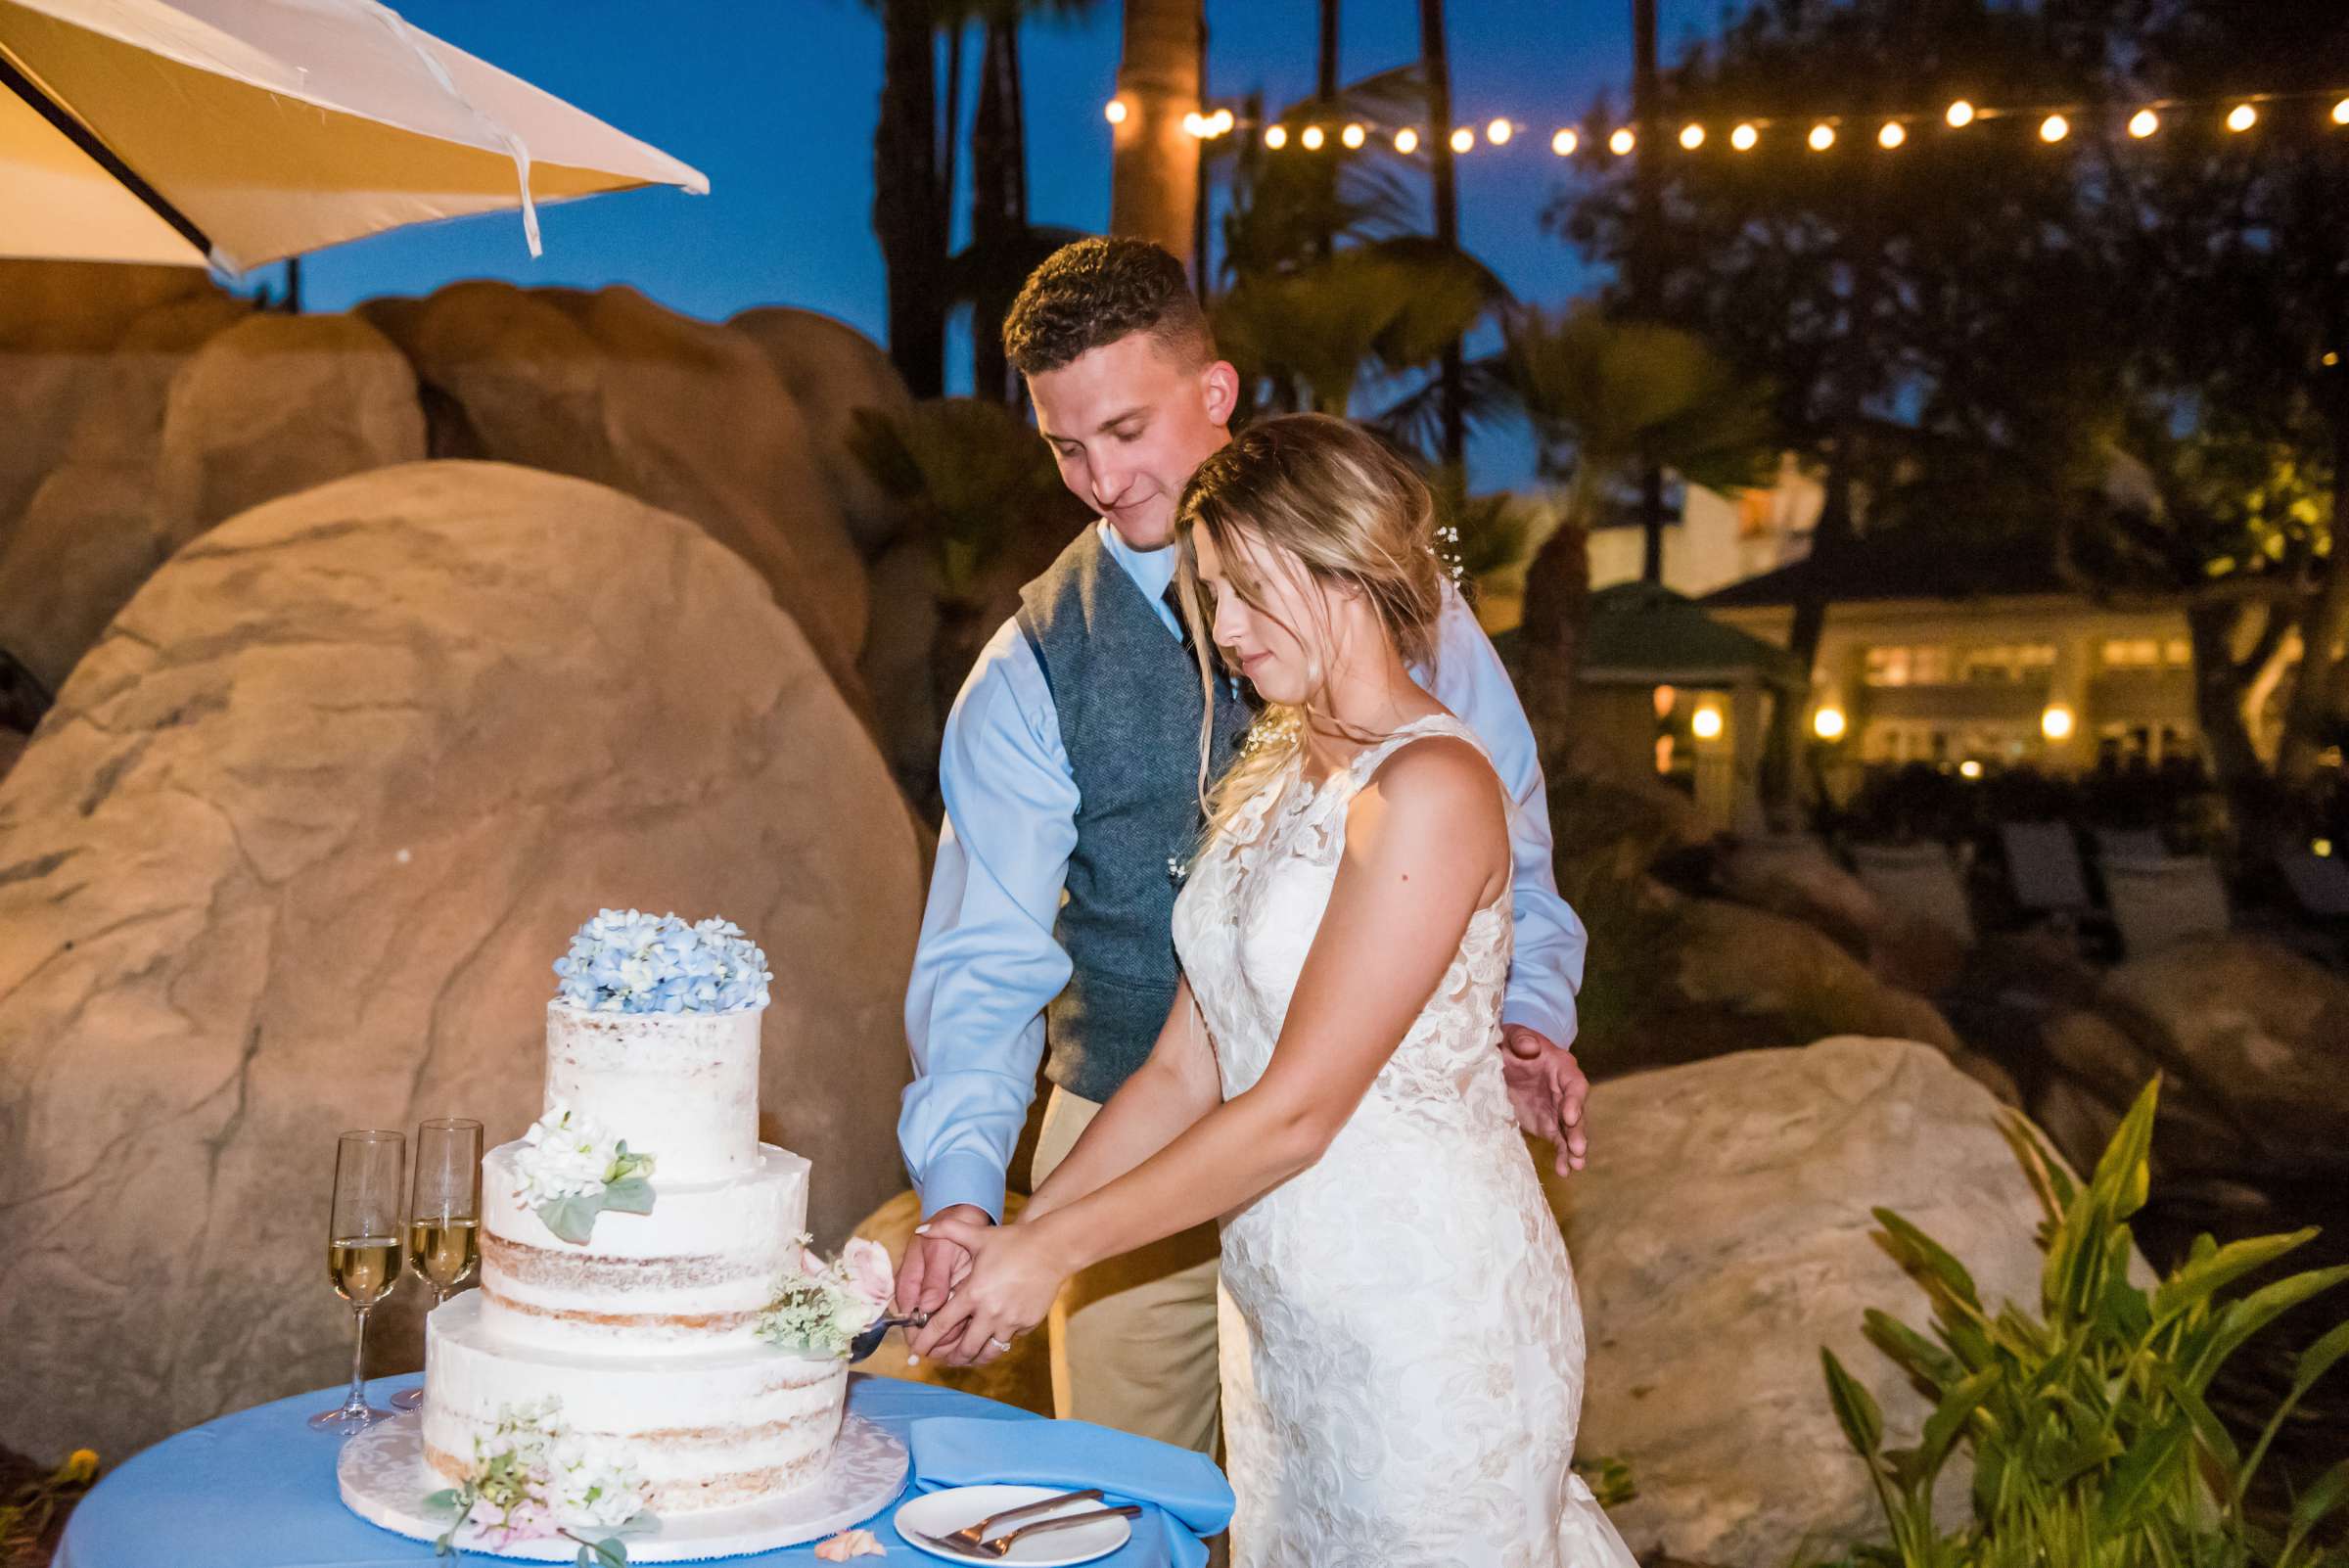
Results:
1353 515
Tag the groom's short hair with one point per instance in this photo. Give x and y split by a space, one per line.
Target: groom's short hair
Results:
1093 292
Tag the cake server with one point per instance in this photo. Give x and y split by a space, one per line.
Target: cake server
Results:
868 1339
999 1547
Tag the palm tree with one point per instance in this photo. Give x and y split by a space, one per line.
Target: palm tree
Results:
909 212
1605 399
1154 170
1436 62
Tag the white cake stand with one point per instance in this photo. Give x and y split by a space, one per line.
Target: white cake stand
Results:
385 1481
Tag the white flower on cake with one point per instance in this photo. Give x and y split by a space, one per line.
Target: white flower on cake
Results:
817 1308
532 1478
570 1169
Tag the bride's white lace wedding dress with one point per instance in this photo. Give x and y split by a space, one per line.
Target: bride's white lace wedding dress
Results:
1406 1385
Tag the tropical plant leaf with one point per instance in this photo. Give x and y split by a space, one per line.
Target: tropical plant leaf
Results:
2140 1476
631 1196
1948 1421
2313 1363
1921 1254
2204 1274
2314 1506
1931 1367
1855 1407
2245 1318
572 1218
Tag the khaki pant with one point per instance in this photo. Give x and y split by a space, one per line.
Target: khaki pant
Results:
1133 1339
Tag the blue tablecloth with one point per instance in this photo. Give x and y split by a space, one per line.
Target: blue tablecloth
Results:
256 1489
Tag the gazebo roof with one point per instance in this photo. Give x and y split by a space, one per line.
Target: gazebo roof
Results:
1642 634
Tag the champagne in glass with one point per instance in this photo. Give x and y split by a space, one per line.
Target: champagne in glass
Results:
445 1214
363 1255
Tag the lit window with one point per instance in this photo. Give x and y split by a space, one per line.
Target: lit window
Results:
2178 651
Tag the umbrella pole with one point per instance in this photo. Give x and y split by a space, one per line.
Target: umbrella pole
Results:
100 154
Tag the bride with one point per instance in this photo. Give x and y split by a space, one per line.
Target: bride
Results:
1409 1378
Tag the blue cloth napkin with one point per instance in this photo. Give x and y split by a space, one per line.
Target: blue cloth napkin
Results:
1186 1496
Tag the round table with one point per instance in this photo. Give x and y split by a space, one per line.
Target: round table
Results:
256 1489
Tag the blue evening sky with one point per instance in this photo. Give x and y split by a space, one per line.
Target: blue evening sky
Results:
775 101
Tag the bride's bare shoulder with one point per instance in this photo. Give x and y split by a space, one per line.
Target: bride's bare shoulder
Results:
1434 793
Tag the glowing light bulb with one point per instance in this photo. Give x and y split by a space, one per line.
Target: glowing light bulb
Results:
1116 110
1620 142
2242 118
1499 132
1705 724
2055 723
1823 137
1353 135
1891 135
2143 123
1969 769
1277 137
1407 141
1960 115
1744 137
1194 123
1311 138
1692 137
1827 723
2341 113
1564 143
2054 128
1462 139
1221 123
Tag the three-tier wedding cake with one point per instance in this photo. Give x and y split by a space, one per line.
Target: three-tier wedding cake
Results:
633 1246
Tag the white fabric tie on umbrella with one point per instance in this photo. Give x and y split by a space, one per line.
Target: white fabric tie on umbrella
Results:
237 132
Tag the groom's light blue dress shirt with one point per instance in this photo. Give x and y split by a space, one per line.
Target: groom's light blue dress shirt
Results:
988 965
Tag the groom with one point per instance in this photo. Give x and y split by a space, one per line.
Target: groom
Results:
1070 773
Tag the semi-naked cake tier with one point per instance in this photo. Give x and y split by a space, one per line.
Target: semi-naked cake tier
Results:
690 1276
708 1430
646 1332
680 1086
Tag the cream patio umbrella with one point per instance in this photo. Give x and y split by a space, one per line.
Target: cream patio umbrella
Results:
236 132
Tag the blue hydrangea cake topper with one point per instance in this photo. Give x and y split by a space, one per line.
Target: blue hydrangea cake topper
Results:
626 961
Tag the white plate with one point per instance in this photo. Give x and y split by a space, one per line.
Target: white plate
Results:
941 1513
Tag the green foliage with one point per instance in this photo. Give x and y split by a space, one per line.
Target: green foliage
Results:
28 1511
970 474
2091 1439
1608 1478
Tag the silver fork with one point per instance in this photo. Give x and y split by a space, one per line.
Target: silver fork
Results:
1000 1545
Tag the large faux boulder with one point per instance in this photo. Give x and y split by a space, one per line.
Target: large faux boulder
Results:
2248 1036
1722 1234
90 530
835 373
687 415
276 404
1766 966
62 325
294 853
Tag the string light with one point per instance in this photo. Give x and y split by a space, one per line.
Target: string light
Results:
2237 114
1195 124
1116 111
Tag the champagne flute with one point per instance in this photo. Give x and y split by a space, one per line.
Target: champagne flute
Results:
362 1255
444 1212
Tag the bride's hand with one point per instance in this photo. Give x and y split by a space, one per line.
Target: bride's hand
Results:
1015 1271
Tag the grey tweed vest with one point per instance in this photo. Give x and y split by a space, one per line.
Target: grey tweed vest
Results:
1128 697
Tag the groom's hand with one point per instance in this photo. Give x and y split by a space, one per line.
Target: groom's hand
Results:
1547 1088
933 1263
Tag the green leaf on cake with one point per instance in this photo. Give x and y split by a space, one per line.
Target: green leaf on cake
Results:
572 1218
445 1497
631 1196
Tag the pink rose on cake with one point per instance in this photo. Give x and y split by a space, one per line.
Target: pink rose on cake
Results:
869 1271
